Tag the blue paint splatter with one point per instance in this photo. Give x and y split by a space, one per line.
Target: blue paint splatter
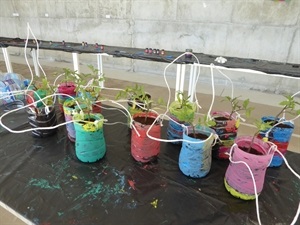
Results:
43 184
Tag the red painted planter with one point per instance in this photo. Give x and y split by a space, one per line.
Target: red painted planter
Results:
144 149
65 88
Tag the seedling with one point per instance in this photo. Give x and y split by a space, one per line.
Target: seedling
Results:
237 106
289 105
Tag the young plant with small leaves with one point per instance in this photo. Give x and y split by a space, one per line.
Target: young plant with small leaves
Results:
87 85
237 106
260 126
289 105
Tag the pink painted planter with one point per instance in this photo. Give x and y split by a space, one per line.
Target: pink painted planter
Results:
65 88
238 180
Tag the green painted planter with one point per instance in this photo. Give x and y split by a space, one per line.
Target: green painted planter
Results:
90 144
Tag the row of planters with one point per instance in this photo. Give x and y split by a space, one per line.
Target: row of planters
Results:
214 134
78 100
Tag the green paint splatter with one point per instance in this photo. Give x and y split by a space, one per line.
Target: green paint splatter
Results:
43 184
107 192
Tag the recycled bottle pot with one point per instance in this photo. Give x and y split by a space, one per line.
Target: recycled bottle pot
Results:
42 119
65 88
175 129
227 130
90 143
280 135
238 180
68 109
195 155
144 149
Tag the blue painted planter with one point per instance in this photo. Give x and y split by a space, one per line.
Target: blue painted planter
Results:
175 130
90 144
195 158
280 136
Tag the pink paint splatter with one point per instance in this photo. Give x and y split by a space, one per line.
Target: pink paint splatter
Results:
132 184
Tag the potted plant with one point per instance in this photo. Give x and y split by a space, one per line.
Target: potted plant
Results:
143 148
41 110
136 97
196 151
181 111
282 129
227 124
249 158
87 87
90 143
91 82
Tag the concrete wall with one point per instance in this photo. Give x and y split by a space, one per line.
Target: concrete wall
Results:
260 29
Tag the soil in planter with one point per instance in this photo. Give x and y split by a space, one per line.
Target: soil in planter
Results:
198 136
252 151
281 125
87 120
221 118
145 120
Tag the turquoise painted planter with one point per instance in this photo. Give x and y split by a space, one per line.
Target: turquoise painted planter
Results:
90 144
280 136
195 158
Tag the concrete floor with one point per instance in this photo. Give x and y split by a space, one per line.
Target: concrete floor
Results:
264 103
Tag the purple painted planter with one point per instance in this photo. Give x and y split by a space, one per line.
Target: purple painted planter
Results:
238 180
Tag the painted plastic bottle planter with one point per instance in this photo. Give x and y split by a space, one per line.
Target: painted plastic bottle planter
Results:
42 119
68 107
144 149
175 129
280 135
178 116
238 180
90 143
227 130
195 158
65 88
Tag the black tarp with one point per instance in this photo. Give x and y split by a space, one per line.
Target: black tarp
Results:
43 181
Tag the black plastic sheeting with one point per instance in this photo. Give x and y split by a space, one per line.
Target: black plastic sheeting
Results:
288 69
43 181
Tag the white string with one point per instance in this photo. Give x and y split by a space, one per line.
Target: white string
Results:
232 88
296 216
37 50
213 93
253 180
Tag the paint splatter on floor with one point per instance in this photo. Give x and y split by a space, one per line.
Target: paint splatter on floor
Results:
43 184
